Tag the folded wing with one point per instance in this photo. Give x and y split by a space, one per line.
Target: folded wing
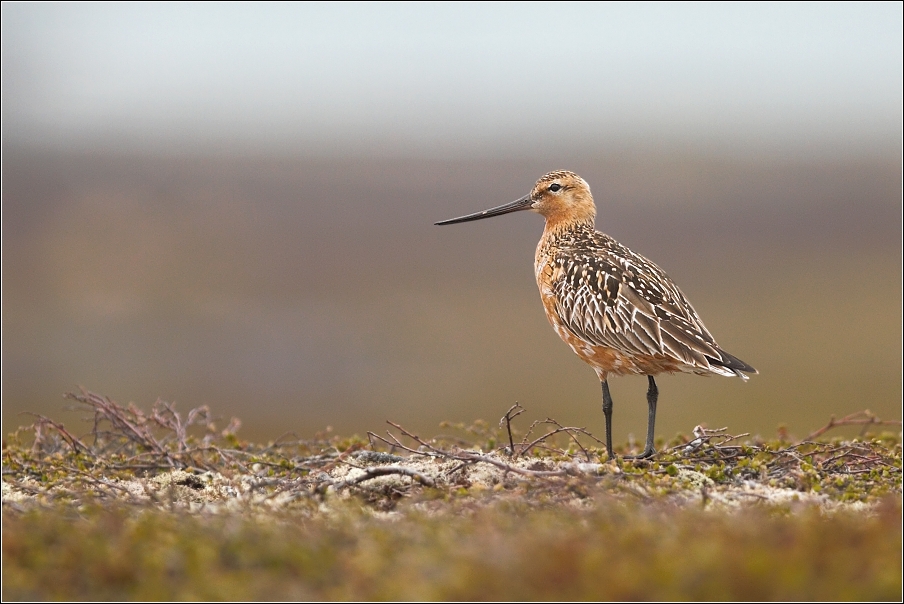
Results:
609 296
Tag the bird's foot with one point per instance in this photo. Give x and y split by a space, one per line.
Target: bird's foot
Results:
647 453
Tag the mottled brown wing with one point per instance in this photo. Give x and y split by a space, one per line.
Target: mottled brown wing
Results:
609 296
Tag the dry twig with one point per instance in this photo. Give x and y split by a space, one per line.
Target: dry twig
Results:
863 418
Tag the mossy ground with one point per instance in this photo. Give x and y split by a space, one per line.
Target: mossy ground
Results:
153 505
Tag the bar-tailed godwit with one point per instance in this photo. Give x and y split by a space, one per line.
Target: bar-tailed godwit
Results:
617 310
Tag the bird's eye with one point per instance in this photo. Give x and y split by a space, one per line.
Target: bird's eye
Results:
555 187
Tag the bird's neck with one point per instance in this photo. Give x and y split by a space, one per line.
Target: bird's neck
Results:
557 229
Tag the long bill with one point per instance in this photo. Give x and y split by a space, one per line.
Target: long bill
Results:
519 204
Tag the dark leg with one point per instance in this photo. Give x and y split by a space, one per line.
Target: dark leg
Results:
607 411
652 397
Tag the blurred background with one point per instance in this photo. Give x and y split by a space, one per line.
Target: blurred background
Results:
233 205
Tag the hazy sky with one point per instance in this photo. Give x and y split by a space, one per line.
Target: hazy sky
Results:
453 79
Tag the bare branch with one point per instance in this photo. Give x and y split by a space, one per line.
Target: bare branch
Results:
75 443
507 419
864 418
371 473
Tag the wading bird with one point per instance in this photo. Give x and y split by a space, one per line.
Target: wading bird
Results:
617 310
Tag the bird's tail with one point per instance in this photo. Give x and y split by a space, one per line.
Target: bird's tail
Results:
731 366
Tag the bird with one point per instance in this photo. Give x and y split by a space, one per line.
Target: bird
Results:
617 310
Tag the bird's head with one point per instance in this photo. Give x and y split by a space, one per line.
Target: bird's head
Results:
562 197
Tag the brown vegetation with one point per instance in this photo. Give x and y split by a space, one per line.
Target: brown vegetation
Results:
165 506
